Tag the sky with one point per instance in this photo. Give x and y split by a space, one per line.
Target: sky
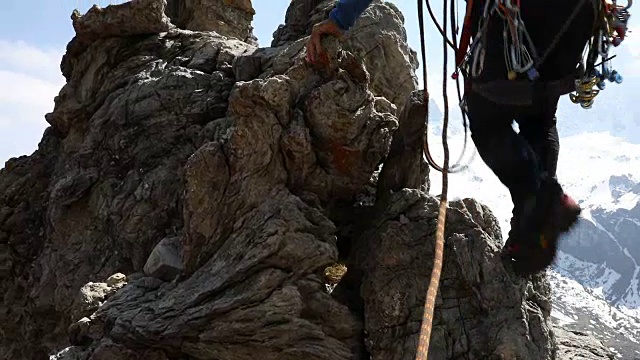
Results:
34 34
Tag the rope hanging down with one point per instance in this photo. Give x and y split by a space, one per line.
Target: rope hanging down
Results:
457 167
425 329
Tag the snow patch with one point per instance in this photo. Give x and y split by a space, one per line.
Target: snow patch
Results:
572 300
561 319
627 201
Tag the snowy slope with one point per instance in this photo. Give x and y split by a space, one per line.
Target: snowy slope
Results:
576 306
596 278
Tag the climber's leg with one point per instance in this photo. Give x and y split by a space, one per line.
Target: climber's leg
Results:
506 153
541 210
534 236
538 128
544 217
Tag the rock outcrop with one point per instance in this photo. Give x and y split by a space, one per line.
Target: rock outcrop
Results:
231 18
383 22
576 345
299 19
258 171
478 301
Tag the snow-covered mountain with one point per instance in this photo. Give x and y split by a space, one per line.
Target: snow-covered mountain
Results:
596 279
606 243
580 307
601 257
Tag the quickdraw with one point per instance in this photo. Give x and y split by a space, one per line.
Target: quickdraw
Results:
516 55
520 55
519 51
610 31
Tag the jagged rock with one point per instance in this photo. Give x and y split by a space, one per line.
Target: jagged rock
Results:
109 177
106 183
231 18
478 301
92 295
165 261
263 274
405 167
391 66
574 345
132 18
272 143
117 280
297 22
378 37
89 298
135 17
252 65
180 53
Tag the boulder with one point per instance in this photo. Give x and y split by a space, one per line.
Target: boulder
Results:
165 261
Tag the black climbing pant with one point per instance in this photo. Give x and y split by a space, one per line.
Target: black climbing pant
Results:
520 160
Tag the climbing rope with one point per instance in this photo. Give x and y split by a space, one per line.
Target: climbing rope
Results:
457 167
430 301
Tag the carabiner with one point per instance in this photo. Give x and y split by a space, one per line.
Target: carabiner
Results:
629 3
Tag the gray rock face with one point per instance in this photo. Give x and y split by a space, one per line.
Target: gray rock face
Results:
383 22
478 298
116 20
106 183
574 345
298 22
267 181
405 166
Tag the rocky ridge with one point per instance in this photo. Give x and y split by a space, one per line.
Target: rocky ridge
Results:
258 171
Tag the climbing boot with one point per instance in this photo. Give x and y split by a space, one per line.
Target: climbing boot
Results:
533 240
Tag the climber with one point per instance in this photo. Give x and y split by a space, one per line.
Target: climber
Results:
525 162
496 96
341 19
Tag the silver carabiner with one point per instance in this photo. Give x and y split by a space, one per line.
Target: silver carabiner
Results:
629 3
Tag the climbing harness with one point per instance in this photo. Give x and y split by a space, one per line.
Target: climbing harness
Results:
611 28
520 53
430 301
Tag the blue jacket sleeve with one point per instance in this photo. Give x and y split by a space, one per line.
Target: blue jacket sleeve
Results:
347 12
